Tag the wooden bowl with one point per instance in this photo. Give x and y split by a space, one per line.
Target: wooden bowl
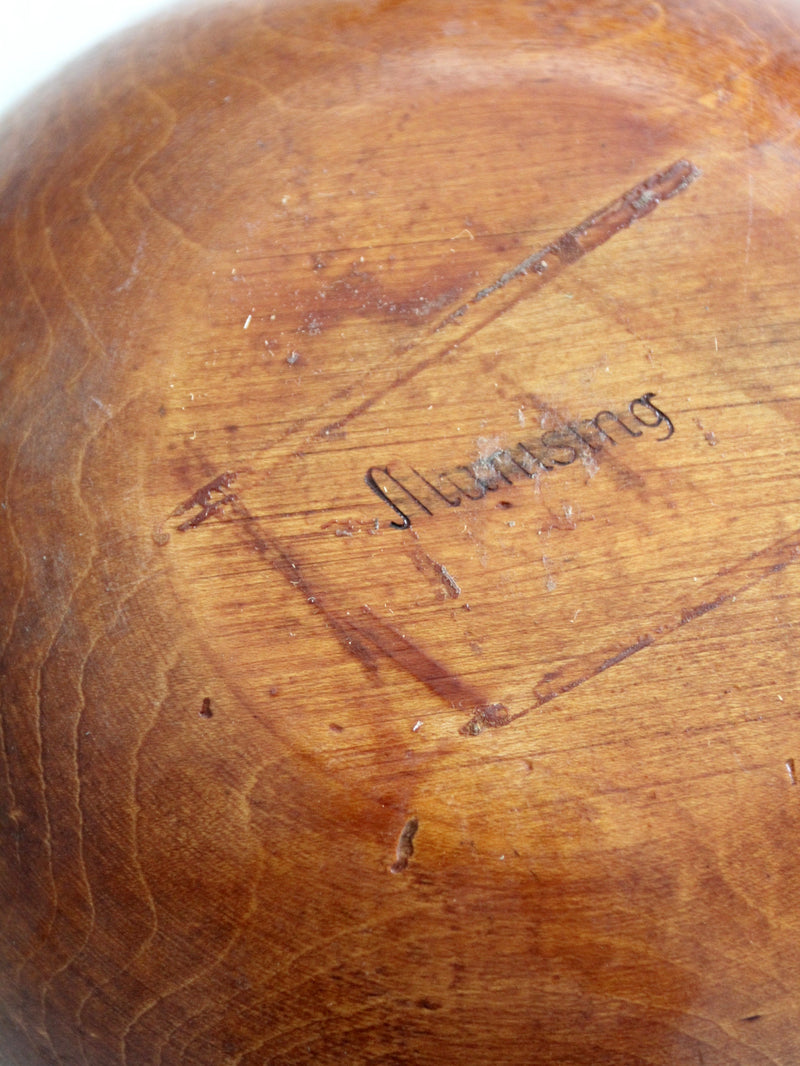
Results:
400 516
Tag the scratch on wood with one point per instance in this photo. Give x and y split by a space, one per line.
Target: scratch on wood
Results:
210 500
735 581
361 638
268 546
213 498
626 653
572 245
691 613
437 677
405 846
542 266
595 230
790 770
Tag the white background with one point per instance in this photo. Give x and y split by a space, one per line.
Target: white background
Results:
38 36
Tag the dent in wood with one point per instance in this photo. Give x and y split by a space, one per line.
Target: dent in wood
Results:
405 846
494 716
437 574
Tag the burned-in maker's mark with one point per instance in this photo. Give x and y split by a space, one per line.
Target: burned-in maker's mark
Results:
406 489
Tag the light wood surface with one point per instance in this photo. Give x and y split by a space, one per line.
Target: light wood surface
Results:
400 530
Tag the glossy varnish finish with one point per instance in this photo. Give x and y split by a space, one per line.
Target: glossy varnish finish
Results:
401 538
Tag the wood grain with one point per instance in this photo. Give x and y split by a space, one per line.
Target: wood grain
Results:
400 535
